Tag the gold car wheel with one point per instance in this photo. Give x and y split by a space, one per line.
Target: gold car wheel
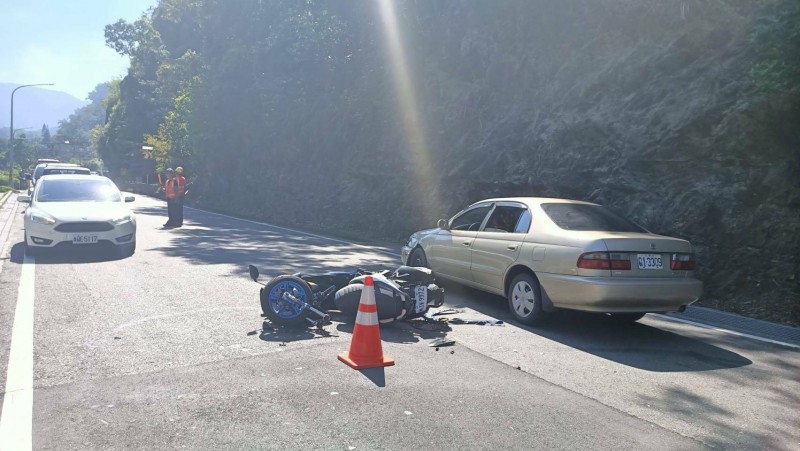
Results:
418 258
524 299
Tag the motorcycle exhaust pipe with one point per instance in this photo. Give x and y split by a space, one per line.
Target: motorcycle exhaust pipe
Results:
319 313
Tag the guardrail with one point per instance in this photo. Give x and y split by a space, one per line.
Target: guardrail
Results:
141 188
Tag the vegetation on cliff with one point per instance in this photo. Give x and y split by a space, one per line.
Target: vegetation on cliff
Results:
346 116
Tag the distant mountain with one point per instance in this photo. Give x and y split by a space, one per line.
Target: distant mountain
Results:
35 106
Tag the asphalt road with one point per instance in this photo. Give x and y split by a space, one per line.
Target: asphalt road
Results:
165 350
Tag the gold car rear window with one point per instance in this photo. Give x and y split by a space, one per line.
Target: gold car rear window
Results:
585 217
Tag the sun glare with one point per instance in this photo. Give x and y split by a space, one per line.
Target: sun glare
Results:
413 129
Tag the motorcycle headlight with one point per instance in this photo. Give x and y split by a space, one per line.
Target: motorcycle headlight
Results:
122 219
41 218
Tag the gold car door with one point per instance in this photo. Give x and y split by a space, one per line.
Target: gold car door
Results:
450 253
497 245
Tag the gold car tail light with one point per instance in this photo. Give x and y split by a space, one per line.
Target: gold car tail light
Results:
604 261
682 262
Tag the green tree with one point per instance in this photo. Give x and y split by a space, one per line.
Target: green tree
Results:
45 134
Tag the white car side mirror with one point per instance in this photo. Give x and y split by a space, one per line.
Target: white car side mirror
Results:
24 198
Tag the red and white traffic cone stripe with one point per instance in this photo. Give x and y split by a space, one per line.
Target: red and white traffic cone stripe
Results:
366 350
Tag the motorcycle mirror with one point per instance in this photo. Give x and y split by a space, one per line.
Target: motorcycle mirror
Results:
253 272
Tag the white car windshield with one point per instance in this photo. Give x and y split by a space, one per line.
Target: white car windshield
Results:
38 172
73 190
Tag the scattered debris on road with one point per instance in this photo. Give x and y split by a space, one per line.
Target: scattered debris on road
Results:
435 312
442 342
479 322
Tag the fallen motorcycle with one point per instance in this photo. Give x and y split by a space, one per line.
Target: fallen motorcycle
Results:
304 299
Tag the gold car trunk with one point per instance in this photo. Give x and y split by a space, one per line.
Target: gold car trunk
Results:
649 255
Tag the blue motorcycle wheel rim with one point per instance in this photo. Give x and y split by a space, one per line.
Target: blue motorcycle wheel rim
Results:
287 309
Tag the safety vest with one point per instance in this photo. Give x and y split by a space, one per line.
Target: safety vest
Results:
176 187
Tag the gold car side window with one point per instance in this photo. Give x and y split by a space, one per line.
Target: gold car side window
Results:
470 219
505 219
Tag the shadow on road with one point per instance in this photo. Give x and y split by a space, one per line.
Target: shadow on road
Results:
220 240
376 375
400 332
636 345
282 334
691 402
72 255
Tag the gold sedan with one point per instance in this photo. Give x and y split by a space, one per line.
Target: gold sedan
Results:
544 254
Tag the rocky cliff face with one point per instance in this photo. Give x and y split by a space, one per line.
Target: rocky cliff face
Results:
649 107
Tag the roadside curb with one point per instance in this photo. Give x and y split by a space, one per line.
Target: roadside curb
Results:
5 197
6 221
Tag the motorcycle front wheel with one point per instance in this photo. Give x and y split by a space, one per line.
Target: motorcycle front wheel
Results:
283 311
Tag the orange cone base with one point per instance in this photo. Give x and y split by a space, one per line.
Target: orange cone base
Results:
384 361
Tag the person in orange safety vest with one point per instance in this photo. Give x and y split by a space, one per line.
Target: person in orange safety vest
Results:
175 190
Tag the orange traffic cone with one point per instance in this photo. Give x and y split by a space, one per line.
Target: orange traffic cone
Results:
365 349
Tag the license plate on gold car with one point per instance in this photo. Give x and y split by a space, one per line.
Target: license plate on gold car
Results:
84 239
649 261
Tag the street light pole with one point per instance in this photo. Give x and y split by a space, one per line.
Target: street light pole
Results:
11 132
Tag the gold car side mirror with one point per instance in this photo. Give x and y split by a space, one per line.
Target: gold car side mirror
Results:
442 224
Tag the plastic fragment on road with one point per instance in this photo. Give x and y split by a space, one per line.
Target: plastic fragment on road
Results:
479 322
444 341
448 311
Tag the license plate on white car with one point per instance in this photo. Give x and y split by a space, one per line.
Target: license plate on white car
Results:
649 261
421 295
84 239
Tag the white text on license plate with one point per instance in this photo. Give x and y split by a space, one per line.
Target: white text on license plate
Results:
84 239
421 295
649 261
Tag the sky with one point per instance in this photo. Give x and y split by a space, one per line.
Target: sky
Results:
62 42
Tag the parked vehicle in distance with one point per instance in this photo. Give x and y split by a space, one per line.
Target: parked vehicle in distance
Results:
54 168
77 210
544 254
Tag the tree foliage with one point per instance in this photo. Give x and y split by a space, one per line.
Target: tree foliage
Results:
82 122
681 113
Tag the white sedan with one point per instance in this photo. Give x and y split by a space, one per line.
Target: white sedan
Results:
78 210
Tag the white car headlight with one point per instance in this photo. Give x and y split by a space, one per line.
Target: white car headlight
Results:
122 219
42 218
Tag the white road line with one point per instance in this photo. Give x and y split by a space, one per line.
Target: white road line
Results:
705 326
727 331
300 232
7 212
16 420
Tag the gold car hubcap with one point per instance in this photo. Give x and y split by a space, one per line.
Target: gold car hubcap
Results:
522 299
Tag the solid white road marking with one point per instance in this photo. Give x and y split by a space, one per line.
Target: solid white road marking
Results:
16 420
705 326
727 331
